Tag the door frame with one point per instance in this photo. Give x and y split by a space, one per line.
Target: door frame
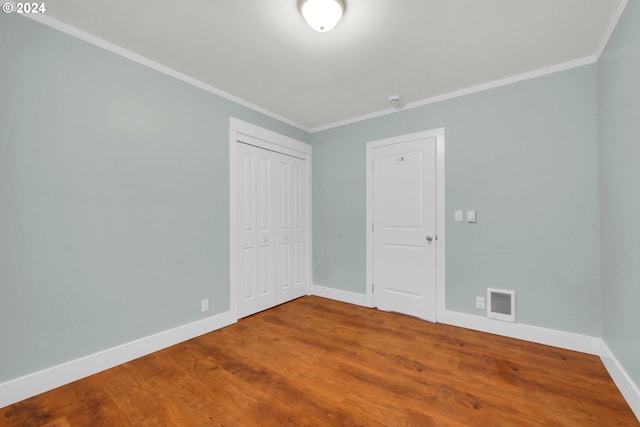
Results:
239 132
439 134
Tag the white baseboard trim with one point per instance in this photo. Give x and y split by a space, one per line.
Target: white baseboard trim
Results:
552 337
340 295
624 383
561 339
38 382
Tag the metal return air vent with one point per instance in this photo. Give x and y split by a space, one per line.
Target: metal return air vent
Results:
501 305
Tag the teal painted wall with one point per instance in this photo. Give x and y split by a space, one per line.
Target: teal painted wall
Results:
619 96
525 157
114 198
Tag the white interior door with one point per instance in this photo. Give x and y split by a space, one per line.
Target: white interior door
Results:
272 200
404 227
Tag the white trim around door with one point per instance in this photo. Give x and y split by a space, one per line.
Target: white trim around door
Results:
247 133
439 134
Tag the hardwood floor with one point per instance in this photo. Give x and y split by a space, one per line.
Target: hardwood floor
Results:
319 362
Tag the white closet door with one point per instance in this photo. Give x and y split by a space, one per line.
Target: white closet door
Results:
292 228
272 237
257 258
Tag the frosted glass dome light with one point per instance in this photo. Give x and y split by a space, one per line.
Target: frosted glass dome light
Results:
322 15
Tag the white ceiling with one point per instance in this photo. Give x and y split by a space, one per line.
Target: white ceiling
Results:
262 51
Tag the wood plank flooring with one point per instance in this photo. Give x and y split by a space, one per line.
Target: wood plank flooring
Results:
317 362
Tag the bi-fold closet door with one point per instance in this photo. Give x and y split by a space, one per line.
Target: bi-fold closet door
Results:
273 236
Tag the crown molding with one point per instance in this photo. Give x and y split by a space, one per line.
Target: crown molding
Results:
467 91
121 51
611 28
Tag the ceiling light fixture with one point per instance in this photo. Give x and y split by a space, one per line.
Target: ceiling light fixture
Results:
322 15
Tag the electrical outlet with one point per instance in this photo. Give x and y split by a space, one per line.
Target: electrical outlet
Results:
457 215
479 302
204 305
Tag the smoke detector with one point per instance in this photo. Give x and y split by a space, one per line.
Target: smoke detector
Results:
394 100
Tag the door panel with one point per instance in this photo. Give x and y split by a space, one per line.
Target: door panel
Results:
248 264
402 274
264 180
264 271
292 228
272 239
297 264
403 207
247 278
256 274
404 220
285 195
297 200
246 186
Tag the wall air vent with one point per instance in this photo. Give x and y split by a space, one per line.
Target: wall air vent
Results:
501 305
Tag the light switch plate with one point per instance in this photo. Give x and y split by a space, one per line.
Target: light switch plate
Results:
471 216
458 215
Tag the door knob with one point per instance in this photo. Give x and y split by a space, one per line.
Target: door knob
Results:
266 239
286 238
429 238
